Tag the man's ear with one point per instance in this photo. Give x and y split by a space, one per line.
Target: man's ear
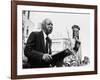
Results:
43 25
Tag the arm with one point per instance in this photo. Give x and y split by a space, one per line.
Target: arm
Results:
30 51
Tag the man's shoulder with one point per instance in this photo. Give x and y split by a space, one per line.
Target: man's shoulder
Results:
35 33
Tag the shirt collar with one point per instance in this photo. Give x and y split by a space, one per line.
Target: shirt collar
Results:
44 35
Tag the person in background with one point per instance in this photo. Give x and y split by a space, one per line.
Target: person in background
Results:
85 61
75 46
76 43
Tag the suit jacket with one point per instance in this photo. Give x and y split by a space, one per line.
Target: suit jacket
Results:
34 50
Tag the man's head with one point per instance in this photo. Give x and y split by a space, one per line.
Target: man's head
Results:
47 26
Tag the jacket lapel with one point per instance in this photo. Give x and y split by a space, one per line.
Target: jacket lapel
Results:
42 41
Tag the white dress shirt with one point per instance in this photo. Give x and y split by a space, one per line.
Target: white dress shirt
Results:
44 37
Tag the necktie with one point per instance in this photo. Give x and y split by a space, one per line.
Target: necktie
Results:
48 45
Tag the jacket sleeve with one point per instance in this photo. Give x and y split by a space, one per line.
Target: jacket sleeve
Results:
29 50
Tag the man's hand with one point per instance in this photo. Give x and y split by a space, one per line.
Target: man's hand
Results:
47 57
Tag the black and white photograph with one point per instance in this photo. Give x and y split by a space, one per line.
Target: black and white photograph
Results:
55 40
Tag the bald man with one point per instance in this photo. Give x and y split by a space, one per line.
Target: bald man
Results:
38 46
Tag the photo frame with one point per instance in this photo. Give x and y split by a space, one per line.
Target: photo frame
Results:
61 14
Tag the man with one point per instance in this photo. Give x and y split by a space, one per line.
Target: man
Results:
38 46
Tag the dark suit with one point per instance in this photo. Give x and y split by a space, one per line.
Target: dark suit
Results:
34 50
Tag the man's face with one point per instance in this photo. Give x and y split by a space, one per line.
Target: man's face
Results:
48 26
